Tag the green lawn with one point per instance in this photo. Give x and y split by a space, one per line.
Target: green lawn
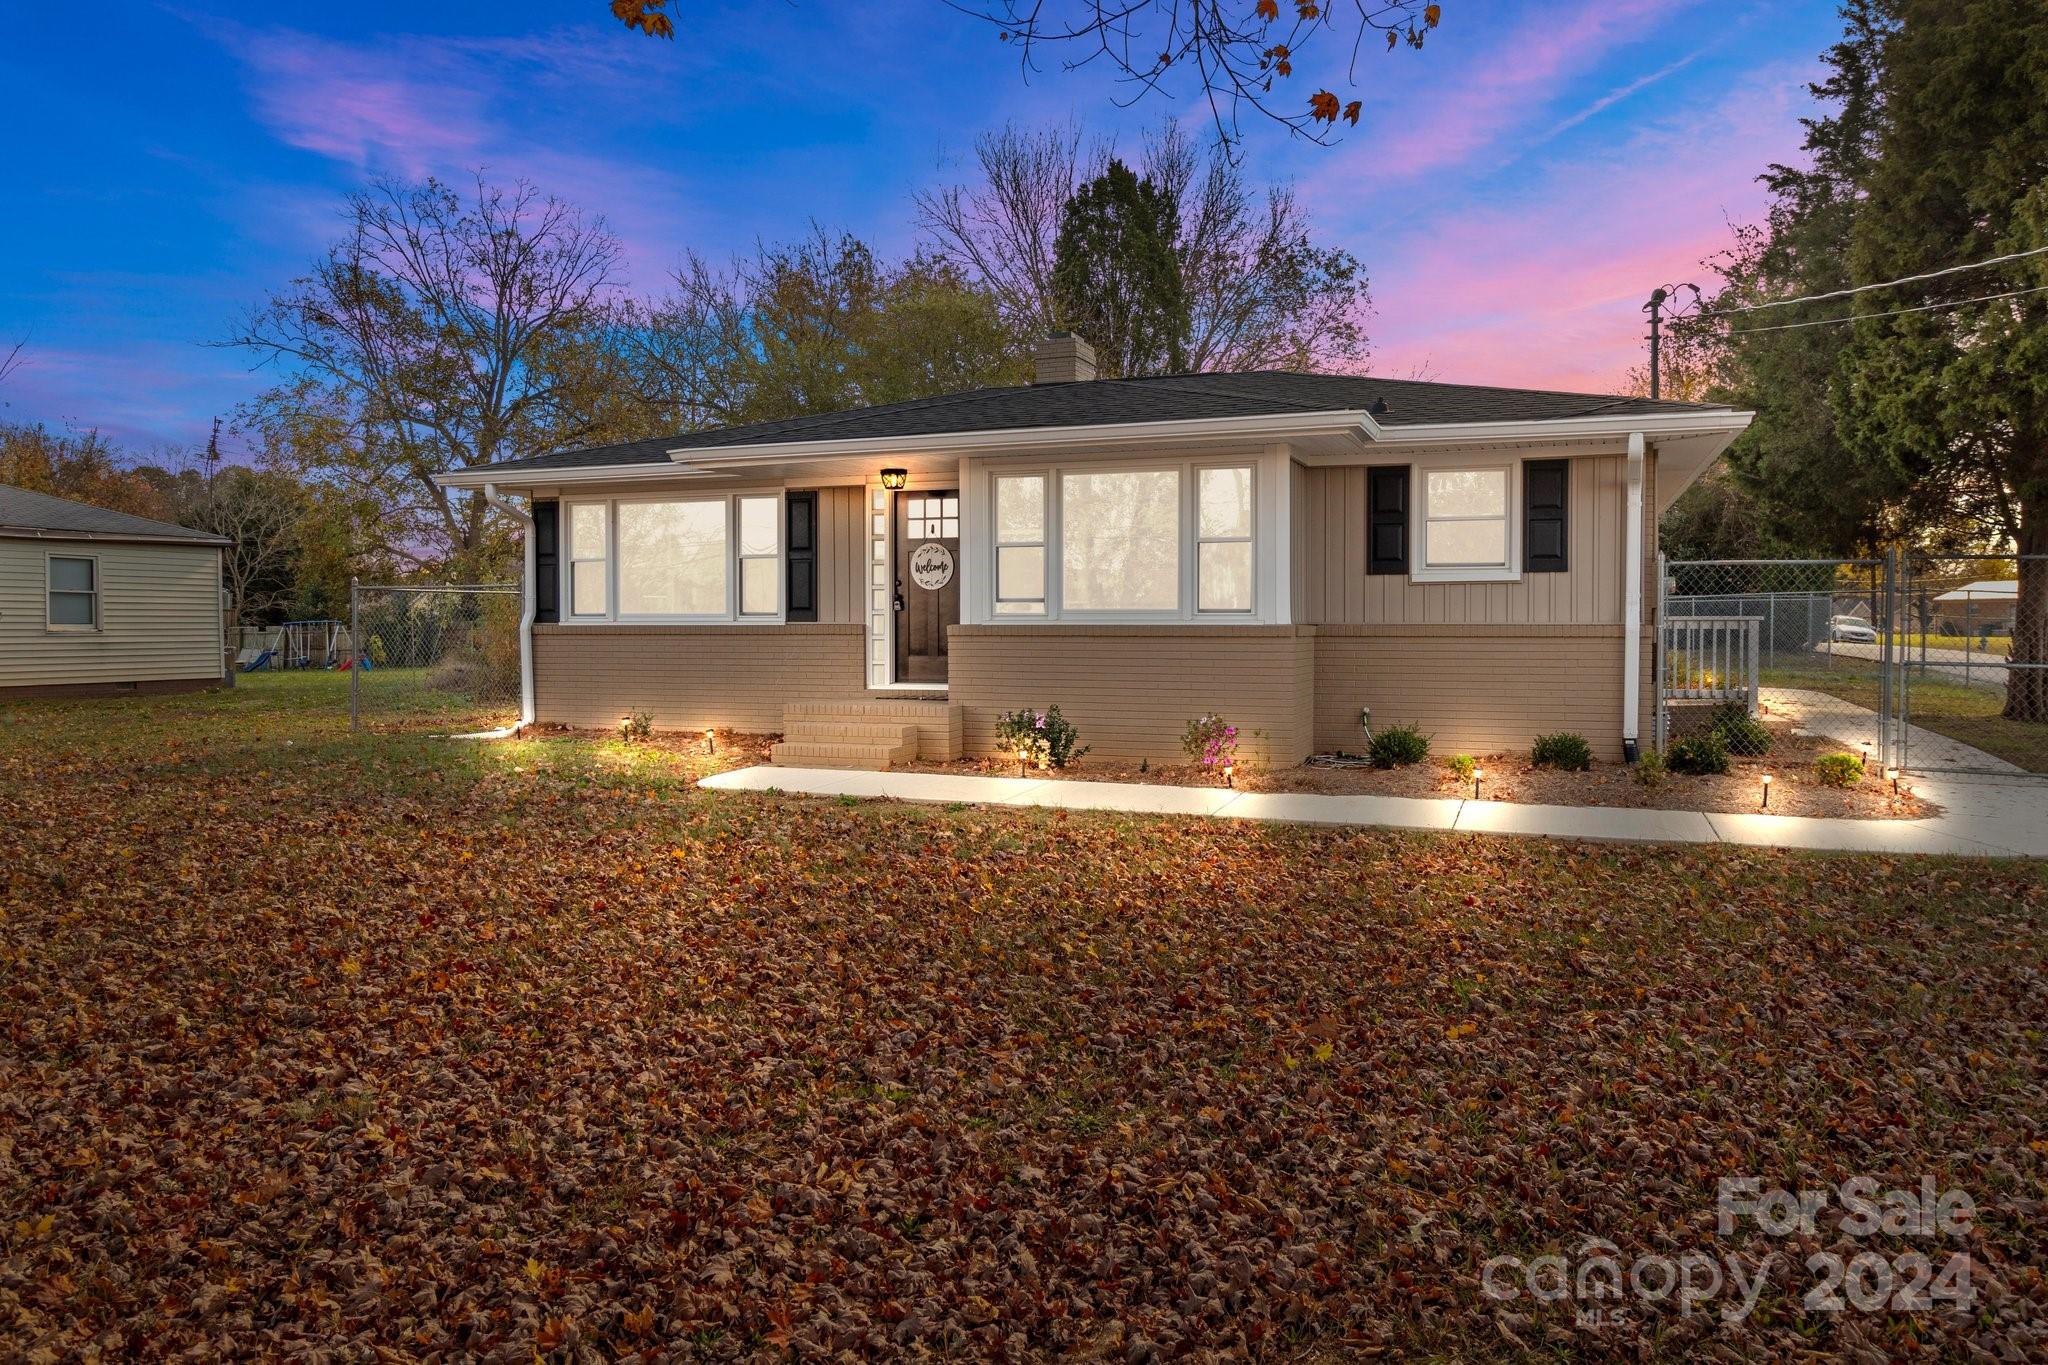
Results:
393 1047
1970 714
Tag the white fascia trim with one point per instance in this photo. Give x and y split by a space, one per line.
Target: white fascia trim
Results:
529 478
1663 424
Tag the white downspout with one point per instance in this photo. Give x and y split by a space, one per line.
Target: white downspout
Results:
1632 605
527 607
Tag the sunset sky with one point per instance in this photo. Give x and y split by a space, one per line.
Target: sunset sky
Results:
1515 189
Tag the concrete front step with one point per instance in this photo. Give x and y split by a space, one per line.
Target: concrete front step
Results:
873 756
846 729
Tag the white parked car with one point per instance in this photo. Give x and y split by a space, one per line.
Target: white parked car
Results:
1851 630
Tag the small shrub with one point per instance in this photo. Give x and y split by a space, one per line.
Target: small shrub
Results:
1743 733
1462 766
1210 741
1650 769
638 725
1564 750
1045 738
380 657
1838 770
1698 754
1397 746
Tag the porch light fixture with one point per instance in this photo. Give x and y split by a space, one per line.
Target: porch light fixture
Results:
1767 793
893 479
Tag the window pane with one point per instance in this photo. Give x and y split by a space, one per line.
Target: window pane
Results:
586 588
672 558
1226 576
1468 493
1226 502
758 534
760 586
586 531
1020 573
70 575
1120 548
70 608
1468 542
1020 508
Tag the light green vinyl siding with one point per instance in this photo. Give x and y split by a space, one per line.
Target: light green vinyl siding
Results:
159 615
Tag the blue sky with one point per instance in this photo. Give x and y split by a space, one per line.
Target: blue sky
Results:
1515 189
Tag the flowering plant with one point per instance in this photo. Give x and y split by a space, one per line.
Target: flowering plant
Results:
1210 741
1044 739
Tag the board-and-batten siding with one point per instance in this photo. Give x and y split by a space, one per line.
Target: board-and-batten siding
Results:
842 555
1333 587
160 616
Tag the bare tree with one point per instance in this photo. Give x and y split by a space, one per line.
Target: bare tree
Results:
1261 293
1235 53
12 361
420 343
260 511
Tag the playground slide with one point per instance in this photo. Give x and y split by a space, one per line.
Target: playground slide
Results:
260 662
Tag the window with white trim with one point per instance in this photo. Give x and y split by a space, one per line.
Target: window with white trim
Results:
74 592
1223 539
589 559
1465 520
672 558
1120 533
1020 544
760 556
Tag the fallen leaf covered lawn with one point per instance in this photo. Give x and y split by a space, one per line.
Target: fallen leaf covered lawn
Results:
403 1048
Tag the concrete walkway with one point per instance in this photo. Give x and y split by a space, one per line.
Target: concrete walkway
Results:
1983 817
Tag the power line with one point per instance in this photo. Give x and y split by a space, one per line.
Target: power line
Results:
1896 312
1866 288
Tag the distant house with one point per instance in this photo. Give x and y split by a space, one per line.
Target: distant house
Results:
93 601
1289 550
1986 606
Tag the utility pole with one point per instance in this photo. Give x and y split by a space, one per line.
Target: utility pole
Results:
1655 308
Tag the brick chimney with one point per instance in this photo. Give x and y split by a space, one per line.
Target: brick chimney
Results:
1064 358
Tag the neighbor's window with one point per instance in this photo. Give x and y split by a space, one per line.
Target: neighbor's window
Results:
1120 541
1465 519
74 593
587 558
672 558
1020 545
760 556
1223 540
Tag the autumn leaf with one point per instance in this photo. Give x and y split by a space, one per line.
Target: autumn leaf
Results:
1323 106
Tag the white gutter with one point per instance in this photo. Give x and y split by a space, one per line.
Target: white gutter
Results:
527 606
1632 604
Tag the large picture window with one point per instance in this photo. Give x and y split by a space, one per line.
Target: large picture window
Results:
1465 520
705 558
1120 541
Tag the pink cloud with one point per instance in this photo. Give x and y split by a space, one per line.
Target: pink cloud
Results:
1544 286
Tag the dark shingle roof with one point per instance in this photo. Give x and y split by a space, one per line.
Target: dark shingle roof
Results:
24 512
1260 393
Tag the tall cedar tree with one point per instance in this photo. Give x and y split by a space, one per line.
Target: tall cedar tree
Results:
1116 276
1954 403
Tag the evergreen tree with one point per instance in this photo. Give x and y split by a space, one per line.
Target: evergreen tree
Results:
1116 275
1951 405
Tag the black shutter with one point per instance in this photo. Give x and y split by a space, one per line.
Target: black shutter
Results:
801 538
547 561
1386 516
1546 490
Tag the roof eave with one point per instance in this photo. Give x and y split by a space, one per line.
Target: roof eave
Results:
118 537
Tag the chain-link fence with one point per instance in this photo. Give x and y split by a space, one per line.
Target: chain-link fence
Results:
1800 646
1973 662
432 657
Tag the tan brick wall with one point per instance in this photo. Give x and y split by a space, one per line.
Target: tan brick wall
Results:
1479 690
688 677
1133 689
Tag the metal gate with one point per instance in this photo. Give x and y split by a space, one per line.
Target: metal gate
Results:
437 657
1973 664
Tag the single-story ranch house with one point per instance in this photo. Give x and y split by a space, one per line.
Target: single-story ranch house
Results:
93 601
1287 550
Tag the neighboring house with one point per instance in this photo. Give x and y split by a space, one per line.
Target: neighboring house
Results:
94 601
1284 549
1986 606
